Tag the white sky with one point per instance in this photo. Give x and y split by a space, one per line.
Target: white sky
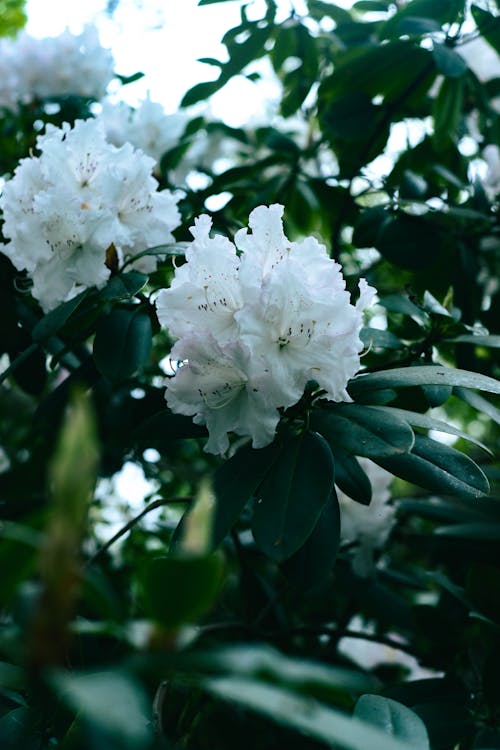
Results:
163 39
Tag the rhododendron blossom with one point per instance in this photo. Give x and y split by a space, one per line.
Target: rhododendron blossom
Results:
254 328
53 67
81 198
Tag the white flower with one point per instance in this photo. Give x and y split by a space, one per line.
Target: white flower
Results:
214 386
205 292
254 329
65 208
368 526
69 64
147 127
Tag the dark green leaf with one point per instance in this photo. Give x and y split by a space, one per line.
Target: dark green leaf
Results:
236 481
164 427
293 495
429 423
313 562
363 430
477 340
180 590
201 91
483 588
484 531
394 718
122 343
488 25
447 112
123 286
448 62
426 375
409 242
374 338
54 320
438 468
350 477
418 26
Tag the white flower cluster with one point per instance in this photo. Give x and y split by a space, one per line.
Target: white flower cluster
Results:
254 327
368 526
80 199
33 68
147 127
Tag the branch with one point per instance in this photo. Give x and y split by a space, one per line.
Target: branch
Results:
152 506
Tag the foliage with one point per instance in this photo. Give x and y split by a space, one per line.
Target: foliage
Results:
224 622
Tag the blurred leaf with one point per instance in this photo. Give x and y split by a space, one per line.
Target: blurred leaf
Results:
409 242
163 427
483 588
236 481
110 700
312 718
122 343
362 430
293 495
447 112
448 62
473 530
479 403
12 17
179 590
438 468
394 718
488 25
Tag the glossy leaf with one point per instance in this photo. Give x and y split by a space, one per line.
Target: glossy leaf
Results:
439 468
313 562
236 481
123 286
363 431
293 495
122 343
54 320
425 375
350 477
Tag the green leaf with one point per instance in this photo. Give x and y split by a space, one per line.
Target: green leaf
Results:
374 338
313 562
123 286
180 590
112 700
477 339
163 427
293 495
409 242
394 718
479 403
312 718
403 377
54 320
212 2
448 62
261 661
416 419
438 468
363 430
483 588
484 531
201 91
488 25
236 481
447 112
350 477
122 343
418 26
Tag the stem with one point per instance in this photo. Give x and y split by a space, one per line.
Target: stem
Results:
152 506
18 361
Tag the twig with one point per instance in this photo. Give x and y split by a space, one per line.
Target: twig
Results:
152 506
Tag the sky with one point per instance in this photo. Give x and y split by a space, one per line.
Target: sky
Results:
164 39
